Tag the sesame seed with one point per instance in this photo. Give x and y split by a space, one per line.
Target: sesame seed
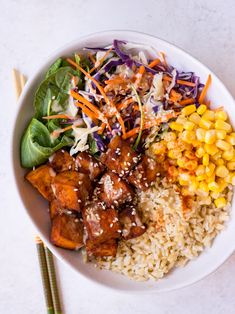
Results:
79 201
75 190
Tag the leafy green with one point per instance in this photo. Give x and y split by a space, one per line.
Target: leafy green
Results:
37 145
141 117
54 67
93 148
54 88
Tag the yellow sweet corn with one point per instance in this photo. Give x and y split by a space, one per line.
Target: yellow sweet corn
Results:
229 177
233 179
208 115
222 184
176 126
215 195
205 160
211 178
201 109
230 139
188 136
220 202
221 144
216 156
201 134
174 154
202 177
211 149
210 169
188 125
158 148
221 134
210 137
231 165
195 118
190 154
193 185
200 170
221 115
200 152
205 124
213 186
222 125
203 186
219 162
221 171
170 136
188 110
228 154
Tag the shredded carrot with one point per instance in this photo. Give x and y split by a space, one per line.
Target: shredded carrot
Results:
174 96
181 82
141 70
122 124
101 60
88 112
152 123
204 91
101 130
57 116
125 104
87 104
62 130
100 88
154 63
187 101
115 80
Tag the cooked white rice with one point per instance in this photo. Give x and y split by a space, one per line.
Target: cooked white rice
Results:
174 235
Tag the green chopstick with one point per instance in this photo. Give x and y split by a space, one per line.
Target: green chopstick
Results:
45 275
53 282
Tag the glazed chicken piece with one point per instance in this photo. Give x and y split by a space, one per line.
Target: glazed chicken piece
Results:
55 208
131 224
41 178
108 248
71 189
86 163
61 161
101 223
67 232
144 174
120 157
113 190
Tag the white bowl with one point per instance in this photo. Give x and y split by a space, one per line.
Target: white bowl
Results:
37 208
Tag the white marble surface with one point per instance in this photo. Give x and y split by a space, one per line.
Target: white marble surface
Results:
31 30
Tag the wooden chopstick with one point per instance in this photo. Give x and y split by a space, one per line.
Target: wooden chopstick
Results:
45 256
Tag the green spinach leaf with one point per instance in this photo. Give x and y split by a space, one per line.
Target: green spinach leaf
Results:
54 67
37 146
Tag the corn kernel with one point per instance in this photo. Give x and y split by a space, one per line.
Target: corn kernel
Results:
180 162
221 144
210 178
220 202
200 170
170 136
202 177
201 109
211 149
231 165
222 184
228 154
183 182
158 148
216 156
190 154
205 160
174 154
193 185
221 134
188 110
189 125
208 115
230 139
201 134
222 125
233 179
210 137
190 165
210 169
221 171
176 126
188 136
203 186
229 177
213 186
205 124
200 152
221 115
181 120
195 118
215 195
219 162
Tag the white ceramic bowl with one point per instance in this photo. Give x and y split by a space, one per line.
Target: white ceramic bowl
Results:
37 208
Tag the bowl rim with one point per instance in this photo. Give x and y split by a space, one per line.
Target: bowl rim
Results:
36 72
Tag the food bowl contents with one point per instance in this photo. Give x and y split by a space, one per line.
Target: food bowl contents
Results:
136 164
